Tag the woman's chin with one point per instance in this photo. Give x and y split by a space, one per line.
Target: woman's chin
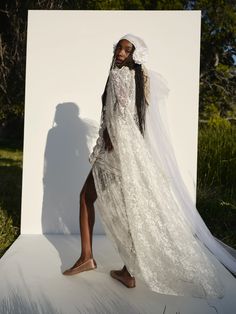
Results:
119 64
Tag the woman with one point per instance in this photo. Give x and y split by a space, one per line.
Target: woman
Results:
152 223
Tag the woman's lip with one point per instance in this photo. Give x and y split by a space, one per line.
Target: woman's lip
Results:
118 60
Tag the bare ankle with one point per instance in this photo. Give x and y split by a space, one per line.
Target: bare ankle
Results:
86 256
126 272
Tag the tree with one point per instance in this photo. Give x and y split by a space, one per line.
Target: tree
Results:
218 47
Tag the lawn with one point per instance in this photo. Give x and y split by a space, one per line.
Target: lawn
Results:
10 192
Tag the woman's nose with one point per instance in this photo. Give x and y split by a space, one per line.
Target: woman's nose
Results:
121 53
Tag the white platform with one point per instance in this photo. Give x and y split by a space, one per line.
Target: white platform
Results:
32 282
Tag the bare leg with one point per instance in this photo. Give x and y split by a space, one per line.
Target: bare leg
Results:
88 196
85 262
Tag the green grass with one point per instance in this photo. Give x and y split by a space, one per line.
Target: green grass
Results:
10 192
216 188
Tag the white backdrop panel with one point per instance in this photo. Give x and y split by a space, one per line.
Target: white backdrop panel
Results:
68 59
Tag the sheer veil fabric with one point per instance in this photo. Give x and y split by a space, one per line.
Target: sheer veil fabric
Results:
161 147
145 207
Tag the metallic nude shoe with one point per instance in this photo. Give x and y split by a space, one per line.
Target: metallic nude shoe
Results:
128 282
88 265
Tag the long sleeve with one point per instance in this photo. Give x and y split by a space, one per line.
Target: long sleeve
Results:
99 142
121 101
124 87
120 81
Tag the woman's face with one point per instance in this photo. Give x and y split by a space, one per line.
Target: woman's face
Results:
123 49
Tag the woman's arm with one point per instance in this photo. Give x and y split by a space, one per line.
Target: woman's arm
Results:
107 140
122 87
122 82
99 142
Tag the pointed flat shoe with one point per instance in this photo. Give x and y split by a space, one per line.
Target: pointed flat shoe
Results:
129 282
88 265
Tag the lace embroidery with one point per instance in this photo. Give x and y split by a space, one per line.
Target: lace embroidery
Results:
137 209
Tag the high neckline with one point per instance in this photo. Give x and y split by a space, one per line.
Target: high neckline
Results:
123 68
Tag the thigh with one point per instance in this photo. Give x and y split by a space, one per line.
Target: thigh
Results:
89 190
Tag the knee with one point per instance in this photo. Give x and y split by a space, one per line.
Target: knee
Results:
85 196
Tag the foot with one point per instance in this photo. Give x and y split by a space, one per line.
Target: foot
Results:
80 266
124 277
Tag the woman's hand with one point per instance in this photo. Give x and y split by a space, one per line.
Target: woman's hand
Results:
107 140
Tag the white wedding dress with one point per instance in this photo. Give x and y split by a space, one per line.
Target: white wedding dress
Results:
138 210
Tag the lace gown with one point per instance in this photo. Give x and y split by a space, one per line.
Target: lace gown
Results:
138 212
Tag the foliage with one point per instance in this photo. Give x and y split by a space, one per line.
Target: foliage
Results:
216 193
217 154
218 48
10 192
8 232
219 214
218 40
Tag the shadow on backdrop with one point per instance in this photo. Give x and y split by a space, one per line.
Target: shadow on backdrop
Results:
66 167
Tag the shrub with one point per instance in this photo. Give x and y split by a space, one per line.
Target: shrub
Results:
8 232
216 194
